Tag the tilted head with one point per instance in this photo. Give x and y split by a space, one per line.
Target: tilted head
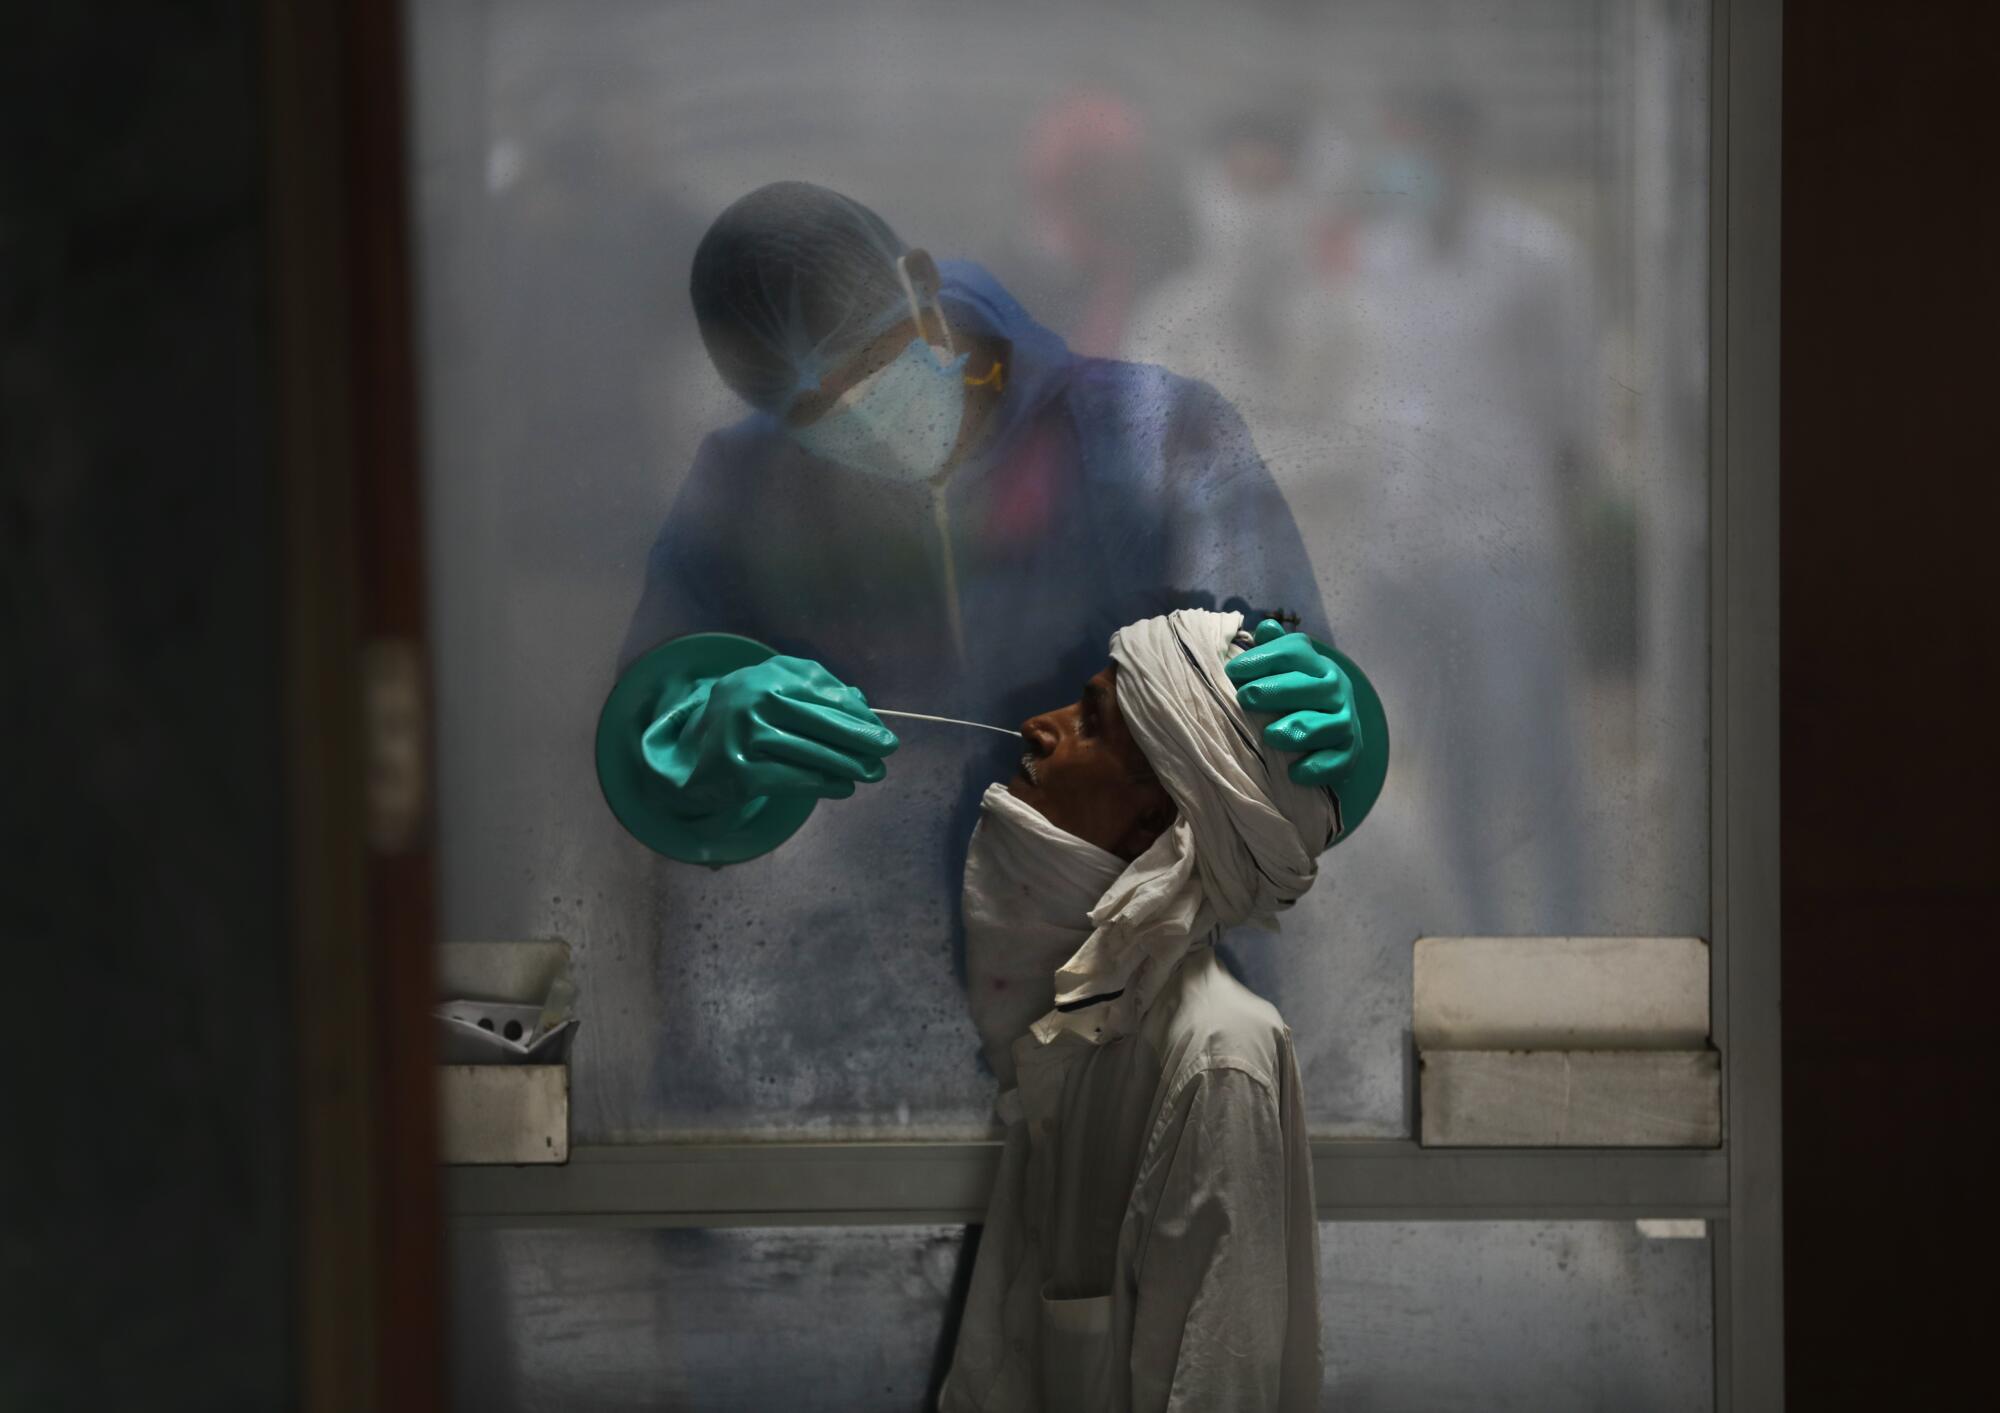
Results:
1146 817
1085 773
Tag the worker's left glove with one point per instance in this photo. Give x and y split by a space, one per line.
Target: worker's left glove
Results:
1286 675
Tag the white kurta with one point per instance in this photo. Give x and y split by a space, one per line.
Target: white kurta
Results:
1151 1242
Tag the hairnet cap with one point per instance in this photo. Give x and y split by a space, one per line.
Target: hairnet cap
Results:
789 281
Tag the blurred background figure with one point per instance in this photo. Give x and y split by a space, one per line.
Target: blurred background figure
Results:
1221 317
1104 223
1455 334
1266 193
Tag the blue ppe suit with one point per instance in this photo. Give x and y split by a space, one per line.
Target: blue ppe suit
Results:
1102 492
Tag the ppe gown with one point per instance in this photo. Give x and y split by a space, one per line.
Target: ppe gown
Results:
1103 492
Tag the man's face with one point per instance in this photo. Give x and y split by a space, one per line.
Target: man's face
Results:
1086 775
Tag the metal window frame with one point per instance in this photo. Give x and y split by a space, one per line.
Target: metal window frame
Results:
839 1184
1746 75
1736 1187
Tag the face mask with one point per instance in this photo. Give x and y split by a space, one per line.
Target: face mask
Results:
1410 179
1029 889
900 422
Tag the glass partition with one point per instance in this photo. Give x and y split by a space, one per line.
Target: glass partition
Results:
833 1319
1442 266
1490 1317
1485 1317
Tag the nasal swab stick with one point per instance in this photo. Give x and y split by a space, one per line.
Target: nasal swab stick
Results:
947 720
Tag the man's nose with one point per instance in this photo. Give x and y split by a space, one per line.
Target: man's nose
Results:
1039 735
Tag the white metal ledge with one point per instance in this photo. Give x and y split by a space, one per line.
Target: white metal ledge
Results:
833 1184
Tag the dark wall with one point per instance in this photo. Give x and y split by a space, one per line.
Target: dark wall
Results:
1891 666
144 1164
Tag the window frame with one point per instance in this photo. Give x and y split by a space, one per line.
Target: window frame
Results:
1735 1187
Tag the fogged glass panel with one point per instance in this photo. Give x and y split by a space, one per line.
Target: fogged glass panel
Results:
1443 266
1493 1317
830 1318
1482 1317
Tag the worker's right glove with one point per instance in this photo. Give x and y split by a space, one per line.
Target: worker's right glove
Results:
1288 676
785 726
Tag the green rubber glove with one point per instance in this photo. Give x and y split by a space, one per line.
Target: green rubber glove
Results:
786 726
1286 675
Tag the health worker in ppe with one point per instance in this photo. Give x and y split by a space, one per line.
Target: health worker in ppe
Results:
1151 1242
932 505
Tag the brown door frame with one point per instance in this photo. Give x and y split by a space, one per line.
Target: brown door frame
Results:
369 1287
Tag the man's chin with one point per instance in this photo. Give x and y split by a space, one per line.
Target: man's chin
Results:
1023 789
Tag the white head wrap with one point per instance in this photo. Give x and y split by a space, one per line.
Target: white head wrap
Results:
1244 846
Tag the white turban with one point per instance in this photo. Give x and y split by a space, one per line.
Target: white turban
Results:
1244 846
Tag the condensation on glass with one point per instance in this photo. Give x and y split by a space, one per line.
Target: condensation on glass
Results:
1447 260
833 1319
1531 1317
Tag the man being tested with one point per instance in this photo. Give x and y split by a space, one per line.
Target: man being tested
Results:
1151 1241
